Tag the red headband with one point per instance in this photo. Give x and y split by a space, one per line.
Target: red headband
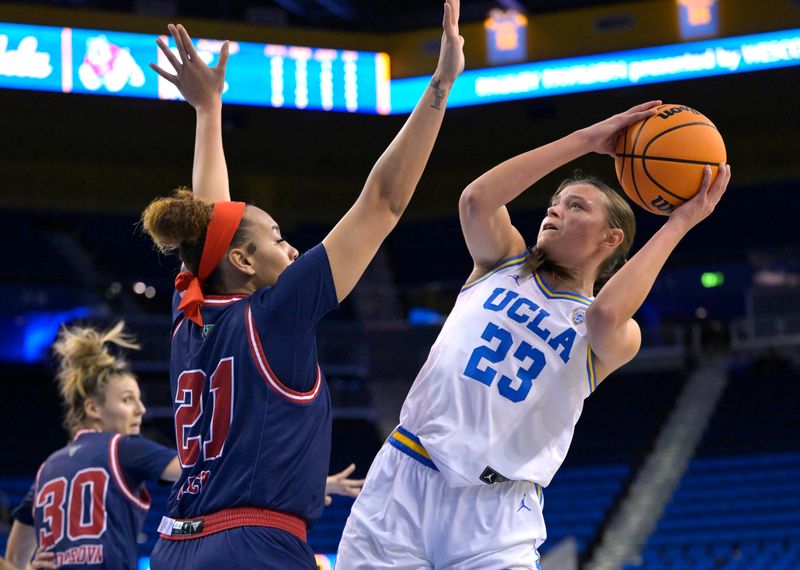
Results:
225 220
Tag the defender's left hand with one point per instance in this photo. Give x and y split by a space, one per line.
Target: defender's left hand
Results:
451 52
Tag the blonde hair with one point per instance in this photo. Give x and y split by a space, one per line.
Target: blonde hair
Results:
86 366
619 215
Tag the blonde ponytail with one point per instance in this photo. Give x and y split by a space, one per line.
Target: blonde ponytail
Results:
85 366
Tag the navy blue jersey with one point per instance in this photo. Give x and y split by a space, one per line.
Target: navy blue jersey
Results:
252 409
89 501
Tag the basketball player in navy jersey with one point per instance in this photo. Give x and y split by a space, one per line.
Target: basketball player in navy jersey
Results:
492 412
89 501
252 409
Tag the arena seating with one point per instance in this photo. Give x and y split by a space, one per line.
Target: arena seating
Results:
738 505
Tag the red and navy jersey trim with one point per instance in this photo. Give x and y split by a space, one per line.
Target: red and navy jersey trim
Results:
260 361
143 499
220 300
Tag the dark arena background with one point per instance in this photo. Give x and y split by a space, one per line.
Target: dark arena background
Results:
687 458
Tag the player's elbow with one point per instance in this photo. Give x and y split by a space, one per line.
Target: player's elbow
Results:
388 202
471 203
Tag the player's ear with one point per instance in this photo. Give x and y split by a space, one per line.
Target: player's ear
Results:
91 410
612 238
241 260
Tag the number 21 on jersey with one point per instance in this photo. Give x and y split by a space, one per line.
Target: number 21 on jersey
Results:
190 413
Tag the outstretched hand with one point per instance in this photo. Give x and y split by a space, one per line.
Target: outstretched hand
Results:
199 84
700 207
339 484
451 53
602 137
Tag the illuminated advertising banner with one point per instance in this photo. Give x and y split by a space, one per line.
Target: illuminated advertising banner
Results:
115 63
30 57
606 71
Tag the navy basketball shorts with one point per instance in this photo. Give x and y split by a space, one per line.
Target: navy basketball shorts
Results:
252 547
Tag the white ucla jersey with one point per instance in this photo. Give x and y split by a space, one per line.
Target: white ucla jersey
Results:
504 383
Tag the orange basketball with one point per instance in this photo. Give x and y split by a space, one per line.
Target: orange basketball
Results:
660 160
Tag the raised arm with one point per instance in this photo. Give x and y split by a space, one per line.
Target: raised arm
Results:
202 87
352 244
487 227
613 334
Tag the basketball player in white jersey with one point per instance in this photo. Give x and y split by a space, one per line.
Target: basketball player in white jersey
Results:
491 414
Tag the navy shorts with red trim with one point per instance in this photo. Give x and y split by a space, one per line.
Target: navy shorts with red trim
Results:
257 548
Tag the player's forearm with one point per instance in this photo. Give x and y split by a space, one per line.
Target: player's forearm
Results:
506 181
21 544
627 289
210 173
398 171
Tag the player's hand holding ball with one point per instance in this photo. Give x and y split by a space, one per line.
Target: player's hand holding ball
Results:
602 137
700 207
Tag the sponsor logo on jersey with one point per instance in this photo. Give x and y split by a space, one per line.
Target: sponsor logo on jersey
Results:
579 315
73 449
490 476
186 527
522 504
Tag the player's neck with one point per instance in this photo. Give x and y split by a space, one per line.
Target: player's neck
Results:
580 283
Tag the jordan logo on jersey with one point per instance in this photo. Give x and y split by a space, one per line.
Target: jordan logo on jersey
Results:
207 330
490 476
515 277
522 504
73 449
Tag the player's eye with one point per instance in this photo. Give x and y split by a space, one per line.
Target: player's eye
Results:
280 240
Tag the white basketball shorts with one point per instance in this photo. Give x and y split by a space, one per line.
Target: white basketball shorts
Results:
407 517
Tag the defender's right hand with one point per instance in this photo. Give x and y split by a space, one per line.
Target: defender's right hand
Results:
199 84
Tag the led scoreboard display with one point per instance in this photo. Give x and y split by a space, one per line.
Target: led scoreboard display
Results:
72 60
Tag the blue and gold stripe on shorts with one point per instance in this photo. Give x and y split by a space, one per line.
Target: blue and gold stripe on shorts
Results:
539 493
408 443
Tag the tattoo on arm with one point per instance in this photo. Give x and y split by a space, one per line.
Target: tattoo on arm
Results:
438 94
